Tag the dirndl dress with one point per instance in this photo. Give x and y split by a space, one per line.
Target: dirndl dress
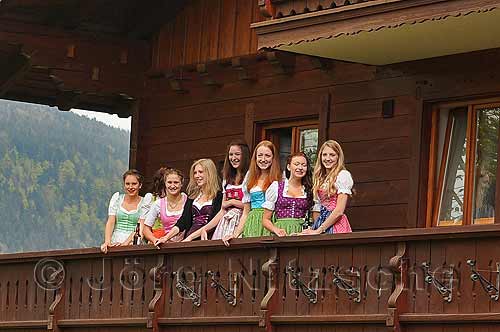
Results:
289 212
341 226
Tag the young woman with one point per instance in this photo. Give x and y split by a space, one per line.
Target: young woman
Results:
205 200
159 190
264 169
332 187
124 212
289 199
235 168
166 210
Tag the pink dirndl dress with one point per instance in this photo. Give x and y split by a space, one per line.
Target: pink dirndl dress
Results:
169 220
328 204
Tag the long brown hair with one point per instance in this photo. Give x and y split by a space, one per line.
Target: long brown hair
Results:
229 173
322 175
254 171
307 179
158 185
211 186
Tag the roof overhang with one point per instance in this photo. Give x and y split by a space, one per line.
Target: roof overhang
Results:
385 32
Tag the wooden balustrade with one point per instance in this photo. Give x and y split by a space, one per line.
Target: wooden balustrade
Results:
396 280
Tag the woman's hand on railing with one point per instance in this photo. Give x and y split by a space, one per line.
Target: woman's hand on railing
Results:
188 239
105 246
280 232
310 232
226 239
159 241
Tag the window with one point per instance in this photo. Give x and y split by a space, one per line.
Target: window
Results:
291 137
464 158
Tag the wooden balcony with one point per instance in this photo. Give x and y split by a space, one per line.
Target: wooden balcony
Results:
401 280
379 32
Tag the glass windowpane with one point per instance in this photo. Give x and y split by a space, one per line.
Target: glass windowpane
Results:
451 211
309 143
485 166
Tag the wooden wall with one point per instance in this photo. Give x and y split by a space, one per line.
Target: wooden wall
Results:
385 155
207 30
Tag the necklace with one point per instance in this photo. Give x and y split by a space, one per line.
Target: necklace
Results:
174 207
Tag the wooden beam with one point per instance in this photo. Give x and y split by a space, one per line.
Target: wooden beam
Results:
175 82
16 67
241 66
67 99
207 78
282 62
323 64
124 105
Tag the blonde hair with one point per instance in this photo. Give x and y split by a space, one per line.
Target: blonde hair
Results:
322 175
254 171
211 186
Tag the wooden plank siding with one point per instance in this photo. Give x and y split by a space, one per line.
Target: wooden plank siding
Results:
381 153
207 30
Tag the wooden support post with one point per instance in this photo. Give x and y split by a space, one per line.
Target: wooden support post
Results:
397 300
239 65
270 269
56 308
283 63
206 77
134 136
157 303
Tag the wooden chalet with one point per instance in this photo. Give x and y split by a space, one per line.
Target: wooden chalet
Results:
410 88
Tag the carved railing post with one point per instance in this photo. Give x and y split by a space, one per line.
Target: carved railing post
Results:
397 300
157 303
268 303
51 275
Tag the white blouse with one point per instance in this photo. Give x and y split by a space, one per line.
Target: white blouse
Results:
200 205
343 184
116 202
154 212
272 194
225 186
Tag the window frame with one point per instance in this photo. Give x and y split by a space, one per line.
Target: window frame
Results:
295 125
436 173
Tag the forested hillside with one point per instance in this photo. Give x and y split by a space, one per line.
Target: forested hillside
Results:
57 173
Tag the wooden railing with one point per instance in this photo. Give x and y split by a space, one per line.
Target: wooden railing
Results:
399 280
